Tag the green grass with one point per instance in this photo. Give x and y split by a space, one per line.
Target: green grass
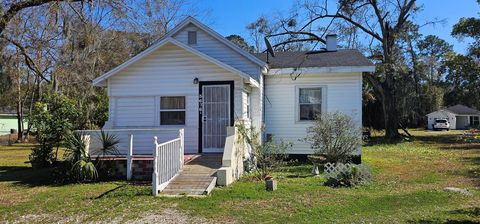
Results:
409 178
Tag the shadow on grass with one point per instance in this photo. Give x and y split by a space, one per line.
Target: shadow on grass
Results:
127 190
27 176
472 215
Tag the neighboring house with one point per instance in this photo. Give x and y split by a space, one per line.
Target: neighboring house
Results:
459 116
193 78
198 84
8 121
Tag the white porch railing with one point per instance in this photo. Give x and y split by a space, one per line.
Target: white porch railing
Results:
132 142
168 161
137 140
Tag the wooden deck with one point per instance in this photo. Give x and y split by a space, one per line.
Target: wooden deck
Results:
198 176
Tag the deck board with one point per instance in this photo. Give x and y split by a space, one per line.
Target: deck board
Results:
198 176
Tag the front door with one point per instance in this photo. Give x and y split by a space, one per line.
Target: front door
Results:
215 115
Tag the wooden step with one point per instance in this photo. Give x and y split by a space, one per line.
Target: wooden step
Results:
198 177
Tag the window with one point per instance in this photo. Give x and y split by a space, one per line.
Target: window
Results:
172 110
192 37
475 121
309 103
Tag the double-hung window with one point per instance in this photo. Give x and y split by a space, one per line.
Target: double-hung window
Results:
172 110
309 103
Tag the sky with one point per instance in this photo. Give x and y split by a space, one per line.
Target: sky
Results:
231 16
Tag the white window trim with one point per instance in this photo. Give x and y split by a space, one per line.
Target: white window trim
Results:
159 110
297 101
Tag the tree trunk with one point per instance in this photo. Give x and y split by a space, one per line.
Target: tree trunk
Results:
19 120
392 117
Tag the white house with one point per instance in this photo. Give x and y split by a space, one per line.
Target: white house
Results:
459 116
195 80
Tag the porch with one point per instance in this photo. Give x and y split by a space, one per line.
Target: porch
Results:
158 155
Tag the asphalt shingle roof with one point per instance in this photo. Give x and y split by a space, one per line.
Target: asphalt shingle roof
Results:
462 110
295 59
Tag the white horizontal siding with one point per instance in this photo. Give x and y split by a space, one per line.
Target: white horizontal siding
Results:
343 93
134 111
169 71
216 49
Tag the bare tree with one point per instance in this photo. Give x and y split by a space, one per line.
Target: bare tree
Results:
382 21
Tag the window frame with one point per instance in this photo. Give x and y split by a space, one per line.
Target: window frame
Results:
160 110
475 120
323 107
195 39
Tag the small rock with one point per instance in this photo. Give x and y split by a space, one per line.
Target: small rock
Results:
458 190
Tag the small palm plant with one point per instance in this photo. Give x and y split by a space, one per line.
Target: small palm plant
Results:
109 144
109 147
83 168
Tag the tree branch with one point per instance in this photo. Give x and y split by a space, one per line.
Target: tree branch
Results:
28 60
17 7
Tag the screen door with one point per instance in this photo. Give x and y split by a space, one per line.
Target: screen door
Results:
215 116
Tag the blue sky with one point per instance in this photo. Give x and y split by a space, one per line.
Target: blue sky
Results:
231 16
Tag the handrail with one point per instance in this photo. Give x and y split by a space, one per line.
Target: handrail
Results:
167 162
165 143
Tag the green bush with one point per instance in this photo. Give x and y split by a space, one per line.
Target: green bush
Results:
41 156
52 120
335 136
265 158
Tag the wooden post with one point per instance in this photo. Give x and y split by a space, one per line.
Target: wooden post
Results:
130 157
155 169
182 149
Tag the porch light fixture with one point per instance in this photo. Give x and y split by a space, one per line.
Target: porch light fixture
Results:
195 80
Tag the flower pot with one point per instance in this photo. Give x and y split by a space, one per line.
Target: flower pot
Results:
271 184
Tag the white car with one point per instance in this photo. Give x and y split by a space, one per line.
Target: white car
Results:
440 124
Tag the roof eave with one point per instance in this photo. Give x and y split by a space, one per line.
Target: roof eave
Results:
101 81
316 70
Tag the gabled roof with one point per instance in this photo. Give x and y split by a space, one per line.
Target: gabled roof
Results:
443 111
217 36
318 59
101 79
462 110
168 38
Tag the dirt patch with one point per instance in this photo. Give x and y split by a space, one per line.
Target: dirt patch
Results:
171 216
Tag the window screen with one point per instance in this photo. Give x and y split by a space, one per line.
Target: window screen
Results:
310 103
172 110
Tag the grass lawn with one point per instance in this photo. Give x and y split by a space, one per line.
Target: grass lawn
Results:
408 187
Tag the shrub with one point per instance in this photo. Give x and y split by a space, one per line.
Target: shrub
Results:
471 136
335 136
347 175
42 156
82 166
265 158
52 120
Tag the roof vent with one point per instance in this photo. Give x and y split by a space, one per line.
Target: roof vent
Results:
331 42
